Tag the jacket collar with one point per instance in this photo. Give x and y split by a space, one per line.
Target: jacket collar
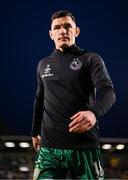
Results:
74 49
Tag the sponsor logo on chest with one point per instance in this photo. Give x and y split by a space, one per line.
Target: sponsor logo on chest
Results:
47 71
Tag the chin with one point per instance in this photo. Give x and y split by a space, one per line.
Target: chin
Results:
64 45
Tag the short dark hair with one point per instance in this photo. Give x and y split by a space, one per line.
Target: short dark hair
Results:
62 13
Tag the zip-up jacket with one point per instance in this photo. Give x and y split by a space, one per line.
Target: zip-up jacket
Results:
68 82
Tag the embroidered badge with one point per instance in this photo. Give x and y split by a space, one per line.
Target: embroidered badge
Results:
47 71
76 64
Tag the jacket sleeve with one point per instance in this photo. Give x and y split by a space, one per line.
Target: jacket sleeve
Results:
105 94
38 105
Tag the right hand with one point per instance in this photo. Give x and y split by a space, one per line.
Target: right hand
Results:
36 142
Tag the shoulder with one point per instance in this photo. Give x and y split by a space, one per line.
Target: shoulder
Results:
92 57
43 61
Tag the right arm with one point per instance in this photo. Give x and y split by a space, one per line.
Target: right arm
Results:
37 111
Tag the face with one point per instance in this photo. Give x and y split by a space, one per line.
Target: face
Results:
63 32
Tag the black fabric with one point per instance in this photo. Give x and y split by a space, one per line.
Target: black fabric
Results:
68 82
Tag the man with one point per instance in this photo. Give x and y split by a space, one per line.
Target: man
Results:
74 89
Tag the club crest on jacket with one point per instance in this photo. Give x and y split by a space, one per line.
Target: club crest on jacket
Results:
76 64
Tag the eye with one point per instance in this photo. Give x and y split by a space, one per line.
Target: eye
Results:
67 26
57 27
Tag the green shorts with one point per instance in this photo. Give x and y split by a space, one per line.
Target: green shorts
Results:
52 163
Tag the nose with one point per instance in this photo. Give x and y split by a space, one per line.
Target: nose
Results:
62 30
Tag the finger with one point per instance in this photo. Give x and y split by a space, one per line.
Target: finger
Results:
75 121
79 129
85 128
75 128
38 147
82 128
75 115
82 120
89 127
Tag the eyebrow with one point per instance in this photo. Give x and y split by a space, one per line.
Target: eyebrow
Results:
65 24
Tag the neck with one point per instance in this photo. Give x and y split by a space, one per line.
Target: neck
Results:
64 47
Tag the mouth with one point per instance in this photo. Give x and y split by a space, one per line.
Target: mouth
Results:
63 38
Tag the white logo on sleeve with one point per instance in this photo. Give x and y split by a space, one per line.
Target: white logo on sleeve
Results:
47 71
76 64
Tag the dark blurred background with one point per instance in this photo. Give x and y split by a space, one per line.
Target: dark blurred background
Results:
24 40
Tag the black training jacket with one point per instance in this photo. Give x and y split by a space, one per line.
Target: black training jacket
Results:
69 82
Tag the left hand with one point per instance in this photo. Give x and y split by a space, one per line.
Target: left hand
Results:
36 142
82 122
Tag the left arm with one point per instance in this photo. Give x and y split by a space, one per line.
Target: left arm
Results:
85 120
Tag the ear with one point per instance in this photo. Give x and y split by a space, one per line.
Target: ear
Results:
50 34
77 31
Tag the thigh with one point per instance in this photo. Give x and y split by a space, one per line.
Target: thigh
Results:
48 165
88 165
53 173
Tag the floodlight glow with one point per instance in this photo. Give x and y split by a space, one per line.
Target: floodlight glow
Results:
24 144
24 169
106 146
9 144
120 146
